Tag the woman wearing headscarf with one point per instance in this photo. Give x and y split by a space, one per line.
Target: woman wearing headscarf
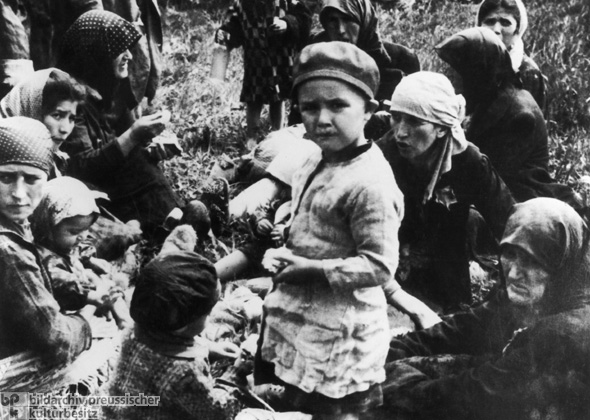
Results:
508 19
96 51
52 97
528 347
505 122
441 175
30 317
355 21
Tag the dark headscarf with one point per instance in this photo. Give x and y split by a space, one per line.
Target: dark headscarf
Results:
555 235
363 13
91 44
482 61
173 290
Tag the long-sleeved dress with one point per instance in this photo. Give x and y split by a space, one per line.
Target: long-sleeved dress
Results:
328 337
268 58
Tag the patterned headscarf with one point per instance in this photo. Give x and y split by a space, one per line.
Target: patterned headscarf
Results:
555 236
26 98
91 44
363 13
63 197
431 97
173 290
516 50
27 142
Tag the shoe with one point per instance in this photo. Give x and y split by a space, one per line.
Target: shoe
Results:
215 196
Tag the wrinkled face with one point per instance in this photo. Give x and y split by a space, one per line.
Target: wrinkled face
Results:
61 121
526 279
334 113
504 24
121 64
21 189
341 27
414 136
70 232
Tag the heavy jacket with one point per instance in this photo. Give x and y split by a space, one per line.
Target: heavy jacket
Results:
441 224
538 371
505 122
30 318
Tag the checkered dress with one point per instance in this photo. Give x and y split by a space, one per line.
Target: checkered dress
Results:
268 58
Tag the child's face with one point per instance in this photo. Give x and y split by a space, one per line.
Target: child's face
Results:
70 232
61 121
333 112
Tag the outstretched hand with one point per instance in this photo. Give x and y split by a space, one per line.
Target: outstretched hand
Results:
147 127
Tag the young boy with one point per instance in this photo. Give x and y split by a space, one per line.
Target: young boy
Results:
326 330
173 297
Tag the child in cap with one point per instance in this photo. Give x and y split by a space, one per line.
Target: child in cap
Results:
173 297
326 332
60 226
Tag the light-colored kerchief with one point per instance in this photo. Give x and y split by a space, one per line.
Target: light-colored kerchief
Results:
26 98
431 97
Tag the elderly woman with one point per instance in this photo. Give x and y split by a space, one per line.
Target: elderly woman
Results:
441 176
505 122
30 317
535 334
508 19
106 150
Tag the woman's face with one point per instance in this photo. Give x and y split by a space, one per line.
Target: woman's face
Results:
61 121
341 27
414 136
504 24
21 189
526 279
121 65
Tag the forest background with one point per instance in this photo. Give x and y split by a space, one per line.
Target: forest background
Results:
210 121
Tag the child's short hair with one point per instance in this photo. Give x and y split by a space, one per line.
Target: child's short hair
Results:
173 290
59 87
340 61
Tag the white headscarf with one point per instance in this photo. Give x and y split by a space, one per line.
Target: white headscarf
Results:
431 97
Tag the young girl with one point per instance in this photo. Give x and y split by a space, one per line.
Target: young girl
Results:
271 32
326 329
60 224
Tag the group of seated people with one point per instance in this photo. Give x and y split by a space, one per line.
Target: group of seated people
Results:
459 174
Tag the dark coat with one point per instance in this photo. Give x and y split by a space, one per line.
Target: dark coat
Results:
441 223
137 188
511 375
505 122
